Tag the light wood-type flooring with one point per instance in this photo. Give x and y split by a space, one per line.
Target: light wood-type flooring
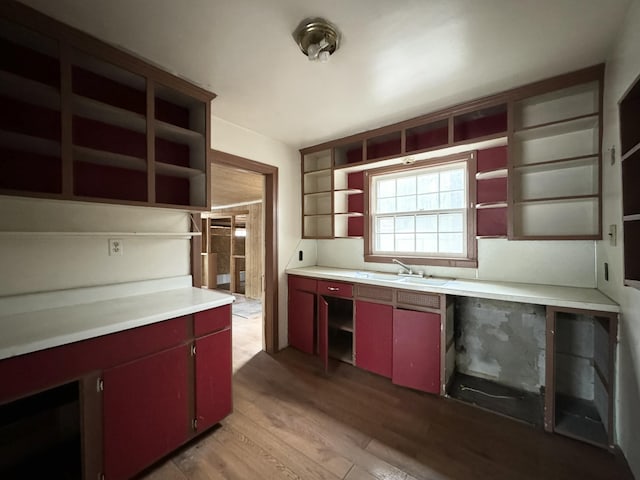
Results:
292 421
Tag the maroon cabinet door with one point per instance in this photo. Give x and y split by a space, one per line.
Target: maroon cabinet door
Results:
374 337
146 411
301 315
416 350
213 378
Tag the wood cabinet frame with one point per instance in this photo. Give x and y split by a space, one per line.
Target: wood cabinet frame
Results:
69 40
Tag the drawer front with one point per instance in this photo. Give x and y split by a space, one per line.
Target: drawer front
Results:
377 294
418 299
209 321
302 283
335 289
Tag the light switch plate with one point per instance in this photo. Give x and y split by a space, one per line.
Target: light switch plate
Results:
613 235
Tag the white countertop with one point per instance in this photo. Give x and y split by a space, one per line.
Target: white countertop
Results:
29 323
557 296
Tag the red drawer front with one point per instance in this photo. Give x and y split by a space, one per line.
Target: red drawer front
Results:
335 289
302 283
209 321
32 372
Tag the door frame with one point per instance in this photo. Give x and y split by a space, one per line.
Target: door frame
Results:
270 173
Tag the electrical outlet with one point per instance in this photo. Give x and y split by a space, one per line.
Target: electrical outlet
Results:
116 248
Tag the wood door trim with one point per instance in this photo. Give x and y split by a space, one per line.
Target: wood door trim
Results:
270 173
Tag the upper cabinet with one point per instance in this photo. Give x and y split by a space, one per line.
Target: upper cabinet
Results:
629 108
84 121
538 163
555 149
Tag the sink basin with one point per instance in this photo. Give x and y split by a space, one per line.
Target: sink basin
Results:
392 277
424 281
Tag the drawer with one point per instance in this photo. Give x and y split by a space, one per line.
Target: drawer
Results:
335 289
418 299
377 294
302 283
212 320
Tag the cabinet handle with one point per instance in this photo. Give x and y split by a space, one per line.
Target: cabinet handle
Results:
194 424
193 350
333 289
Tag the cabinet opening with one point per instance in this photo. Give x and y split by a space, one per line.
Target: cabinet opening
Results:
500 357
40 434
582 377
340 323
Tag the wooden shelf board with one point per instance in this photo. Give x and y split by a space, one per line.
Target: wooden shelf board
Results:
552 129
318 214
177 171
317 173
632 283
27 143
349 214
318 194
179 135
348 191
102 234
631 152
481 206
631 218
558 199
482 237
100 157
29 91
103 112
491 174
559 161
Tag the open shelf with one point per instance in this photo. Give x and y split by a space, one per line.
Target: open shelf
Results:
29 91
100 157
28 143
89 108
557 106
313 162
348 154
571 217
431 135
384 146
177 171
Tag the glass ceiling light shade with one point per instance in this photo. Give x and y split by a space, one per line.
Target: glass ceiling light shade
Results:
317 38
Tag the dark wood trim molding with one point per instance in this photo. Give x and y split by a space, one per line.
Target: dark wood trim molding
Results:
270 173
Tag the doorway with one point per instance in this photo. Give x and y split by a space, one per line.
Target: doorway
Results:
243 192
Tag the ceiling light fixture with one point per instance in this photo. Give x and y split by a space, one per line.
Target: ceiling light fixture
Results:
317 38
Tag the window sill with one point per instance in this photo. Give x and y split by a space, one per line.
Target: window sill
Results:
429 261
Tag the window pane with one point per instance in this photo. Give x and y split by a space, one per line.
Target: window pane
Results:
428 202
385 225
385 242
452 180
451 242
386 188
405 224
427 243
427 223
405 242
452 200
406 186
406 204
450 222
386 205
428 183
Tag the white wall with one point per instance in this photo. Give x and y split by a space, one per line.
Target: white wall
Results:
549 262
623 66
239 141
36 263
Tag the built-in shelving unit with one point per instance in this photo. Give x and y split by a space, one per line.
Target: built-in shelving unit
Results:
340 328
82 120
491 192
317 194
554 163
630 140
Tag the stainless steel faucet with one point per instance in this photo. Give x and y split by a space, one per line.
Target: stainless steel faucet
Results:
406 267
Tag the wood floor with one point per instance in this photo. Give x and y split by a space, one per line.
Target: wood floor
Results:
292 421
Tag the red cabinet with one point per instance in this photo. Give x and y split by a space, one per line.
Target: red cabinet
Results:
212 378
302 295
374 337
416 350
146 411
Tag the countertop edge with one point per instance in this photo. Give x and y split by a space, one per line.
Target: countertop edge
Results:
592 304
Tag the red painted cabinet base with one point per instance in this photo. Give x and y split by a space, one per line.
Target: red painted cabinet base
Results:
416 350
374 342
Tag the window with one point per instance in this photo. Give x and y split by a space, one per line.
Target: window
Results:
423 213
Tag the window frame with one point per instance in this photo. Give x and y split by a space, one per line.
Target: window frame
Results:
468 261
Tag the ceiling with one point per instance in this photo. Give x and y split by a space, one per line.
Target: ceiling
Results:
398 59
231 187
